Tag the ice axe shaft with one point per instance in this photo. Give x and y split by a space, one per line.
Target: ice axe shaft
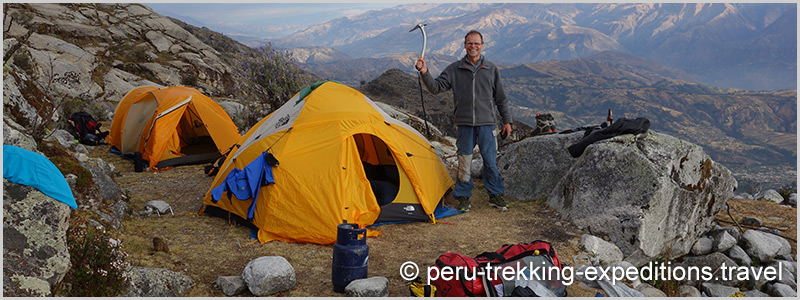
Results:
419 75
424 38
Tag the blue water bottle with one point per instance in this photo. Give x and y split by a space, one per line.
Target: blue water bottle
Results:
350 256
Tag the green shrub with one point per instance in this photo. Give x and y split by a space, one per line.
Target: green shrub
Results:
98 264
271 77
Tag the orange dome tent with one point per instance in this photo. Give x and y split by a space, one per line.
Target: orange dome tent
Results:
171 126
340 157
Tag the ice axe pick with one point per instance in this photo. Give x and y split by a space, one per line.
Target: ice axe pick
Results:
424 38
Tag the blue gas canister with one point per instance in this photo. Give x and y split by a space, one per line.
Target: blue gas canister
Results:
350 256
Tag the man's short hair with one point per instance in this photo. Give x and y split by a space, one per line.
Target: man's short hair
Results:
472 32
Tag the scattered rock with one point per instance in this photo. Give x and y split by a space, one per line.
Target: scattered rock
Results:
231 285
718 290
756 277
156 282
81 148
12 134
712 261
771 195
688 291
752 221
702 246
650 291
232 108
120 209
764 246
754 293
780 290
81 157
109 190
723 241
786 271
63 137
793 199
71 179
268 275
369 287
606 252
739 256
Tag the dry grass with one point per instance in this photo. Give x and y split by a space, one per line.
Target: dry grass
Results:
206 247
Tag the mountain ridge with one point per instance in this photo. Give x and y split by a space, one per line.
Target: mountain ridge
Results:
740 45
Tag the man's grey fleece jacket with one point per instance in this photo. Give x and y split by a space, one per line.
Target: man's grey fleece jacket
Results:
473 93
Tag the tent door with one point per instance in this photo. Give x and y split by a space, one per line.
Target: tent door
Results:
389 182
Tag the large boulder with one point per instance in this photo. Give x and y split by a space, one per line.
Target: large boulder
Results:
532 167
156 282
35 254
646 193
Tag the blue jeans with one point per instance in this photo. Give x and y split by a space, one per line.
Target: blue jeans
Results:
466 139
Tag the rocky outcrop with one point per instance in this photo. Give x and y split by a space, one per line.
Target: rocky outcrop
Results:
646 193
102 51
35 255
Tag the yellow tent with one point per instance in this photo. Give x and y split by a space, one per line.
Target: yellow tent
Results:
340 157
171 126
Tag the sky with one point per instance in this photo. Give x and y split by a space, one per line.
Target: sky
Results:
266 20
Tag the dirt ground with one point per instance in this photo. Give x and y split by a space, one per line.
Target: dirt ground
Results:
206 247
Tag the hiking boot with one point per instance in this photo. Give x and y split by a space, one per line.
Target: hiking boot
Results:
497 201
463 204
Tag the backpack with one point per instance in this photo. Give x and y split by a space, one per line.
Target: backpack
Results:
516 256
88 128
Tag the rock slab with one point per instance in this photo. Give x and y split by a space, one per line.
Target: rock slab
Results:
35 254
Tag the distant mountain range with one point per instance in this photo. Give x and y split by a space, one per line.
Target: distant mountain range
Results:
739 45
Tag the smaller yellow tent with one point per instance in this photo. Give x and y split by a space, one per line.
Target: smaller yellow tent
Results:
171 126
340 157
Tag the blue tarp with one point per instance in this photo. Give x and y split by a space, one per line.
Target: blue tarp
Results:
35 170
245 184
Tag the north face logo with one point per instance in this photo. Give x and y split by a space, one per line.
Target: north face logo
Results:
282 121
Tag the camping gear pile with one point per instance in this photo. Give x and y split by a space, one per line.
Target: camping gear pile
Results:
476 281
339 154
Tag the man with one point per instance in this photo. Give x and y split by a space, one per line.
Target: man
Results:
476 91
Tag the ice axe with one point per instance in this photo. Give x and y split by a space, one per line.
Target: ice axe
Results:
419 75
424 38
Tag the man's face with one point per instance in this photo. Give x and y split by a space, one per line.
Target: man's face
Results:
473 44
